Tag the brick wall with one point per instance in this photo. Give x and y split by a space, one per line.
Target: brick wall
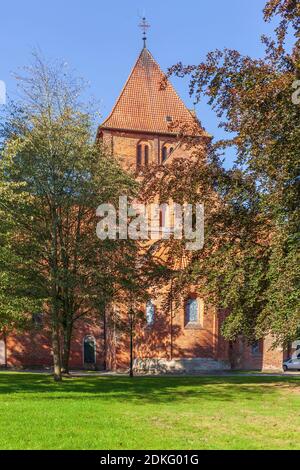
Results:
272 358
168 338
33 349
123 145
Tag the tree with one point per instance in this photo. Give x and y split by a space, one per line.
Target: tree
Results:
250 261
49 156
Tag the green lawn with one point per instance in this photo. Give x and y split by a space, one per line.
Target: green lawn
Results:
149 412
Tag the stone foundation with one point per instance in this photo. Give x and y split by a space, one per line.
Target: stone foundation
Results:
179 366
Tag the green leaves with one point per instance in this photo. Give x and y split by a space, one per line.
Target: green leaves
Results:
249 264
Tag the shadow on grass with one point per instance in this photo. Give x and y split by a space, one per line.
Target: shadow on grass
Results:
141 389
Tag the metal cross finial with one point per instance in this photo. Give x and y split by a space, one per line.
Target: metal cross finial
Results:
144 27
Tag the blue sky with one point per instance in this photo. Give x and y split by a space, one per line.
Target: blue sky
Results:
101 40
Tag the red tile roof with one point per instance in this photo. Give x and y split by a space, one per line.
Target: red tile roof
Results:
144 105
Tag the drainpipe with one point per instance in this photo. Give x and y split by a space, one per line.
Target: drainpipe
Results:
5 349
171 322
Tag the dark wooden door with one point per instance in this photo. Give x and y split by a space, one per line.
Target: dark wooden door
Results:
89 350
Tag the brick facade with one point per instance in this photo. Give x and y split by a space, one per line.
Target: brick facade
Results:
33 349
168 343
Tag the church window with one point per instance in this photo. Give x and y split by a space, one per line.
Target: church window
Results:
191 311
164 153
37 320
150 312
255 348
139 156
163 216
146 155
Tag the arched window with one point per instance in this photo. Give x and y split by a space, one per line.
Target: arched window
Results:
146 155
191 311
89 350
171 150
150 312
139 156
164 154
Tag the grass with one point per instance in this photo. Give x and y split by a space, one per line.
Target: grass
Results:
149 412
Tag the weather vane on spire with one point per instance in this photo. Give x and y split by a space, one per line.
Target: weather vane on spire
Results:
144 27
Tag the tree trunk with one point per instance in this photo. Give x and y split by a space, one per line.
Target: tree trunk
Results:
56 354
104 339
231 355
66 348
55 301
131 349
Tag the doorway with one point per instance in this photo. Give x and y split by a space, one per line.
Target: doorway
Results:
89 350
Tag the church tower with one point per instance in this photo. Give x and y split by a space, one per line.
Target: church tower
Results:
144 128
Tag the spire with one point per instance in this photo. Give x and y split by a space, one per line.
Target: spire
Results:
144 27
144 105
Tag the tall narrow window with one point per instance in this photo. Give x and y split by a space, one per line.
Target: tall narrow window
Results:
161 220
139 156
171 150
255 348
191 311
37 320
146 155
150 312
163 216
164 154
